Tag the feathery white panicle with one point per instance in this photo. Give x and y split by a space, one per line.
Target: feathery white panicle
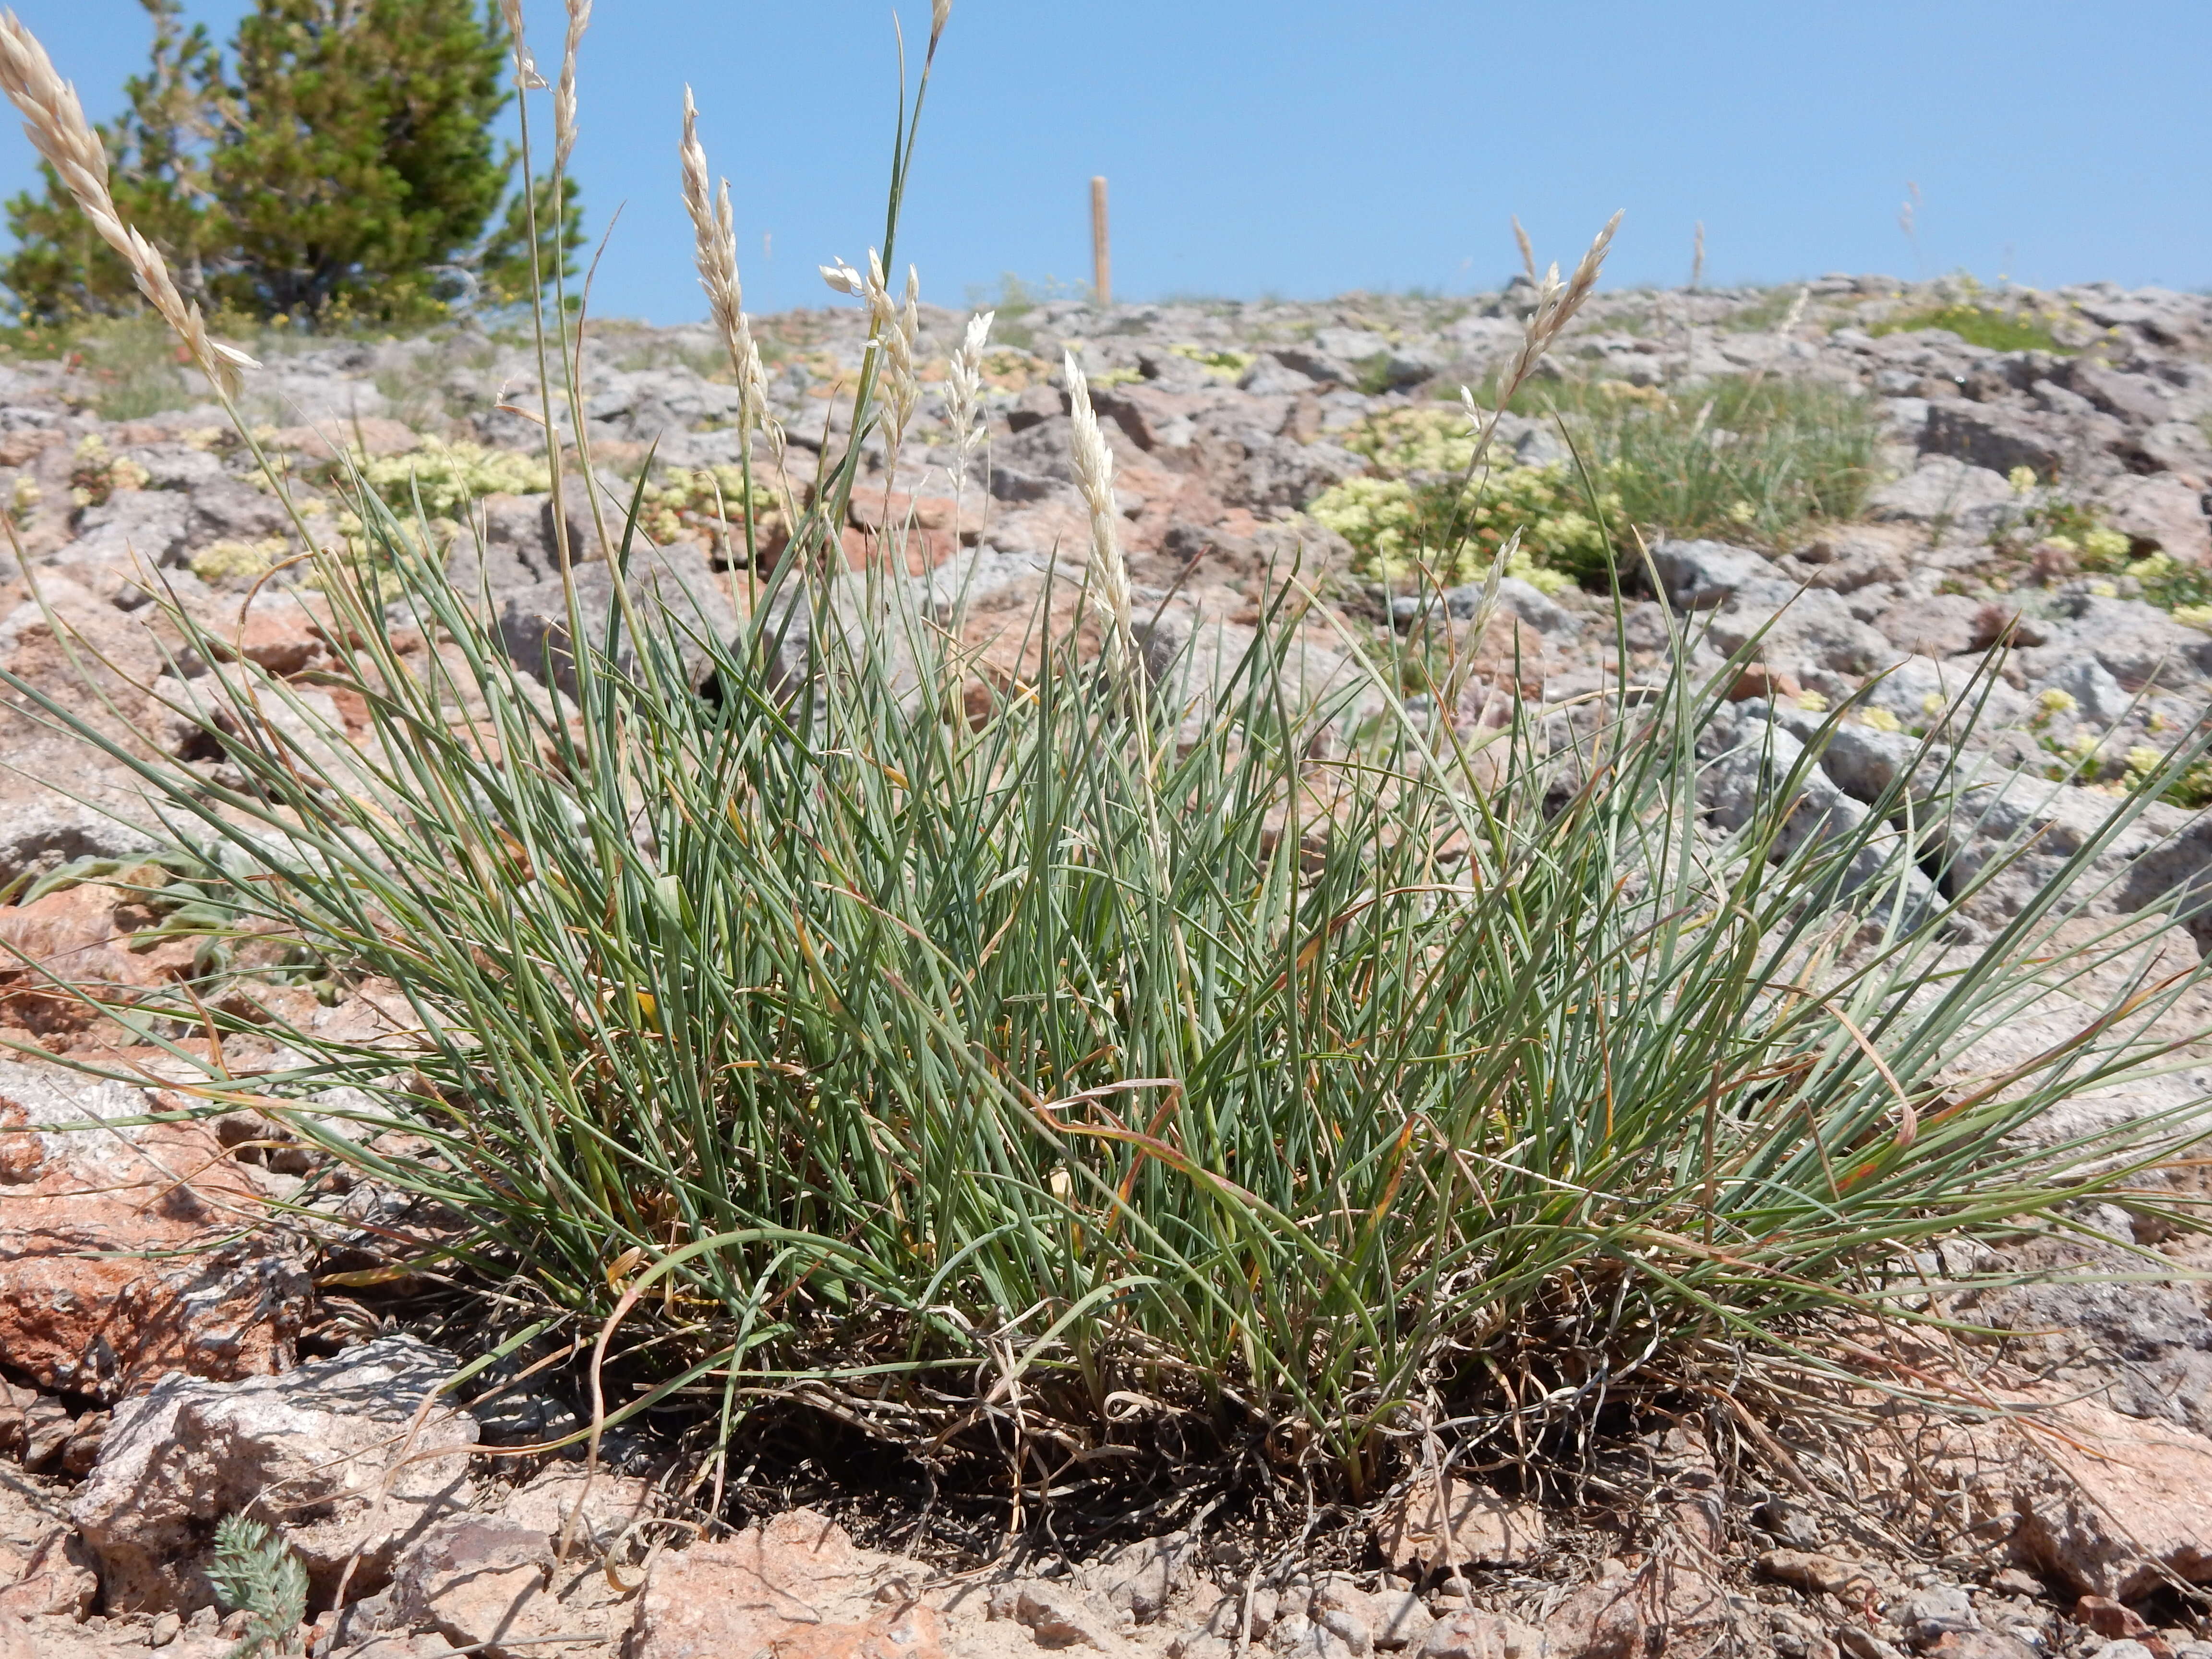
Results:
714 228
55 122
1109 572
843 279
893 327
963 393
564 96
1556 302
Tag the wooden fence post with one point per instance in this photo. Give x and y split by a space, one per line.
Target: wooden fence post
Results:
1102 265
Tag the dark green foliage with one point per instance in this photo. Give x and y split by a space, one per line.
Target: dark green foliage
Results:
338 164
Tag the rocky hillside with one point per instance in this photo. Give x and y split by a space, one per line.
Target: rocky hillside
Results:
1890 496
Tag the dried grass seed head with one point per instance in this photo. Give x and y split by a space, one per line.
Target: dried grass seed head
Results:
894 327
1109 572
526 67
843 279
714 231
1556 302
564 97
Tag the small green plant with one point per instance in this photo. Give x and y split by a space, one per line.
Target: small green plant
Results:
1219 361
446 477
1012 301
1744 458
1453 532
1764 313
254 1570
133 367
710 499
95 475
2047 520
1995 328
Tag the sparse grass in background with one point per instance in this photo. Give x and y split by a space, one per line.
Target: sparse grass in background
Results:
1997 328
131 368
1156 1067
1764 313
1745 458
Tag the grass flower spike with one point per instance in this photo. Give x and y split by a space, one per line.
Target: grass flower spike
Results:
964 392
714 231
1109 572
564 96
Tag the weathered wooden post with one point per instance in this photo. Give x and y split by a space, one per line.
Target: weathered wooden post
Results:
1102 265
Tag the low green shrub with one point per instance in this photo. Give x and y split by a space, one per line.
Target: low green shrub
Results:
132 365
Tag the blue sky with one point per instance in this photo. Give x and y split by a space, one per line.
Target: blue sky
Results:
1308 146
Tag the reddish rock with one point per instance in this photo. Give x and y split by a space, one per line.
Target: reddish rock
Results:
1758 680
379 434
1812 1571
2109 1618
54 1576
126 1258
354 1454
1457 1522
79 934
2115 1503
280 638
1665 1606
1481 1636
794 1587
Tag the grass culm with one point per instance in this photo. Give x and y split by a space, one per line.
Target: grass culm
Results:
1045 1075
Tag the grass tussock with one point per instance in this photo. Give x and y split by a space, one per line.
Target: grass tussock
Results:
1160 1056
832 1043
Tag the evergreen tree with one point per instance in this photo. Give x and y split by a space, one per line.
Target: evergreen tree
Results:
341 163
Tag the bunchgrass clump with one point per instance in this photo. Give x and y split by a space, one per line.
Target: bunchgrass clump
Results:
1153 1060
1746 458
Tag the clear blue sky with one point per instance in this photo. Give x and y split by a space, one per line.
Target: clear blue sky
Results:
1308 146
